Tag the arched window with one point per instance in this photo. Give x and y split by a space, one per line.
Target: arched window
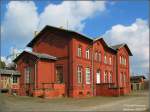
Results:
98 76
79 74
125 61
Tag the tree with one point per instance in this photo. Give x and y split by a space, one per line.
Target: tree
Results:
2 64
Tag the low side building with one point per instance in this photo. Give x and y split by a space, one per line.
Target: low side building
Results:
9 81
137 82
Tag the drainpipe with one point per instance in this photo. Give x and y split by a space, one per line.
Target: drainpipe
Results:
93 70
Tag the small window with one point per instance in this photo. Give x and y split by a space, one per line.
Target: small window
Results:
110 60
96 55
105 59
87 75
120 59
125 61
87 54
79 74
99 57
15 79
79 51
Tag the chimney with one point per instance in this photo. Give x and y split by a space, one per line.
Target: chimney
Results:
35 33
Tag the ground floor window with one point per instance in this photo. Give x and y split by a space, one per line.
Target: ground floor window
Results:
79 74
27 74
87 75
98 77
105 77
15 79
59 74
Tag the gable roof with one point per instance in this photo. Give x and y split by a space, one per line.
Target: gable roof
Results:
104 43
118 46
38 55
52 28
9 72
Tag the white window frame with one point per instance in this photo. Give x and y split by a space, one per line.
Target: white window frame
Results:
105 77
87 53
79 51
98 80
120 59
105 59
27 75
88 74
110 60
110 77
79 74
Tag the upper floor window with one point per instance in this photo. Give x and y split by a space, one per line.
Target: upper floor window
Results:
105 77
79 51
110 60
87 54
79 74
99 57
87 75
96 55
125 61
120 59
105 59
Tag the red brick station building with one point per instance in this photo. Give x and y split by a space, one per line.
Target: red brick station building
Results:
66 63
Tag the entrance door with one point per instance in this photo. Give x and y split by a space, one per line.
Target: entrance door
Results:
59 74
98 79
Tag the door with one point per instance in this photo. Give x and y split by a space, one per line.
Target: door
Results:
98 79
59 74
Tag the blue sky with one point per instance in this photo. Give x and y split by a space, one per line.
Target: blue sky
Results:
93 20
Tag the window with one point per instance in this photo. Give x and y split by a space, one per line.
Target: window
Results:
124 78
110 77
125 61
120 60
87 75
87 53
105 59
99 57
59 74
98 77
110 60
105 77
15 79
27 74
96 55
79 51
79 74
121 77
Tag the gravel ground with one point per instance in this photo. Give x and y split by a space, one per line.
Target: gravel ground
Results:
137 101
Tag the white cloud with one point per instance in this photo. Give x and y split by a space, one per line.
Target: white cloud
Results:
136 36
75 12
20 21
